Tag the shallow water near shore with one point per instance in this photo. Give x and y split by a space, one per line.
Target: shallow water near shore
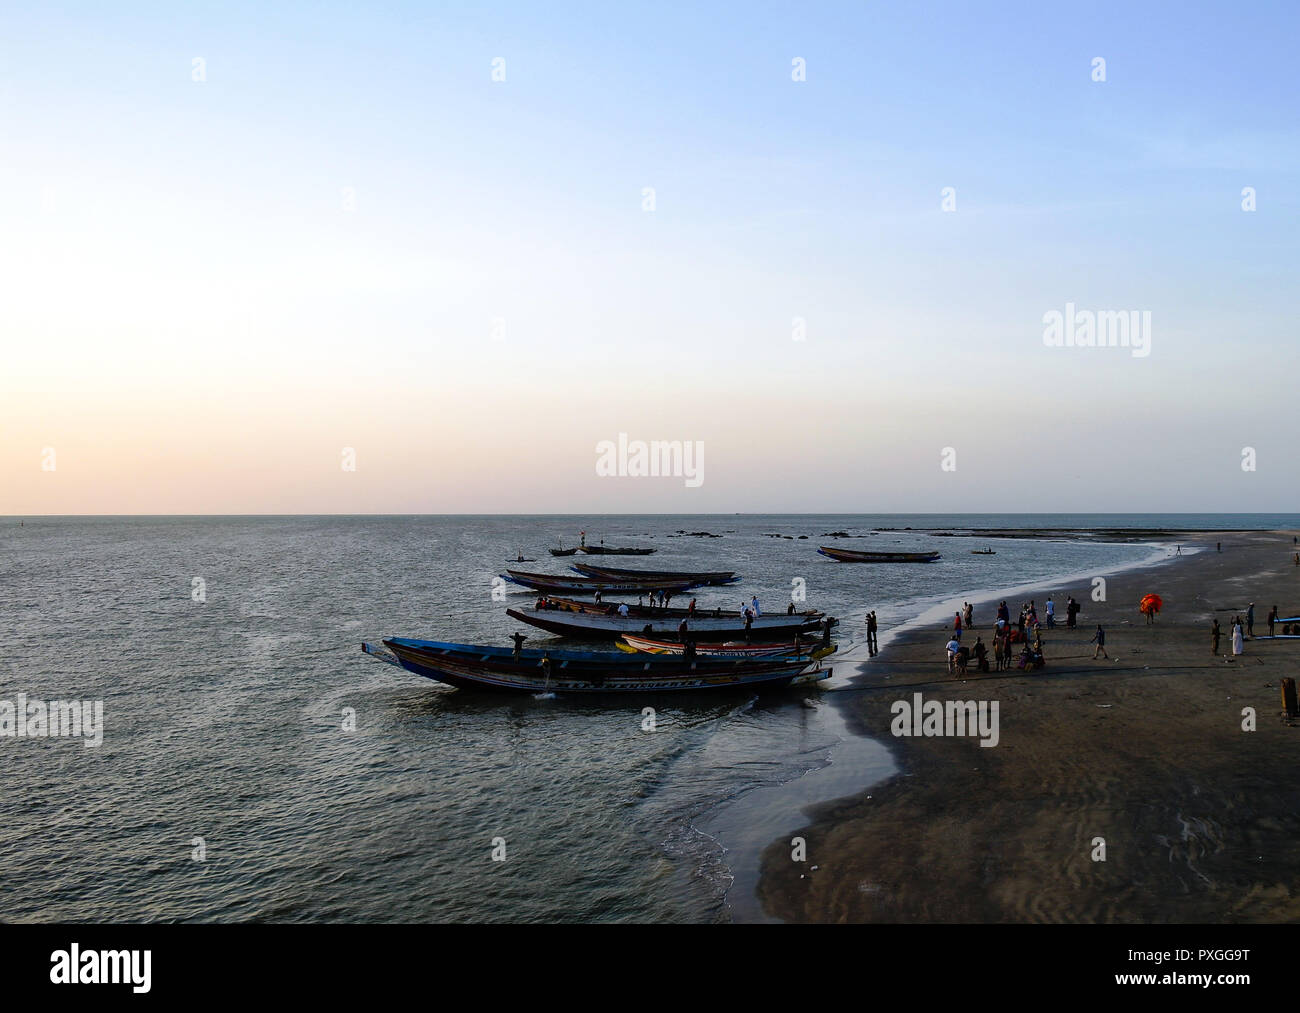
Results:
224 717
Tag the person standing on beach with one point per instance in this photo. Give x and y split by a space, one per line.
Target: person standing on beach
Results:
1071 613
1272 620
1099 638
1215 633
956 626
954 648
1250 621
872 649
1051 614
1238 646
969 618
1218 546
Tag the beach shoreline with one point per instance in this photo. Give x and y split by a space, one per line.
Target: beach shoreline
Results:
1144 751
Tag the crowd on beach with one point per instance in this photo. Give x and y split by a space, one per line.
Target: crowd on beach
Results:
1019 645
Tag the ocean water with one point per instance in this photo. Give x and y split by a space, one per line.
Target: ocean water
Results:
255 765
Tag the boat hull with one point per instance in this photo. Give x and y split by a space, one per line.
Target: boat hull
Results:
700 579
534 671
559 583
588 626
849 556
600 550
729 649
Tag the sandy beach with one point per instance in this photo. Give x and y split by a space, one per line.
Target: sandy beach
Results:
1200 818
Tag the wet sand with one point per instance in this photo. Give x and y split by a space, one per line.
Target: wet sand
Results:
1201 819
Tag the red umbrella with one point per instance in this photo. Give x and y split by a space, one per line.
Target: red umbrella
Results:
1150 603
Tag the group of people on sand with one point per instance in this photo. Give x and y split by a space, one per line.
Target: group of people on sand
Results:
1026 632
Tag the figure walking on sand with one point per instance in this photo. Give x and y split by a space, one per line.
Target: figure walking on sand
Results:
1215 633
1099 638
1238 644
1250 621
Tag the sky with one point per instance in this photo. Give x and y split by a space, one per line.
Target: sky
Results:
426 258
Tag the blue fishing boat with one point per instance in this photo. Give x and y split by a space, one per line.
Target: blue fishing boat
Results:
543 670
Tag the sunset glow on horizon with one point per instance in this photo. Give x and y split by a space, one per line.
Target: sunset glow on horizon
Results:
341 233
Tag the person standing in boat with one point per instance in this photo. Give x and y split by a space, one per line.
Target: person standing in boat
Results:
582 539
597 596
622 610
681 630
754 605
690 609
749 622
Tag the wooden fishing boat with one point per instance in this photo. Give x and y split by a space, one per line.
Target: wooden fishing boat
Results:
850 556
701 627
655 612
983 552
605 550
813 647
701 579
564 552
533 670
562 582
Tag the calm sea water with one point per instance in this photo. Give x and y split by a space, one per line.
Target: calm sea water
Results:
224 719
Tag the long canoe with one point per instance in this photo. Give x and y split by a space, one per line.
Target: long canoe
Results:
589 585
655 612
812 646
849 556
589 626
700 578
605 550
533 670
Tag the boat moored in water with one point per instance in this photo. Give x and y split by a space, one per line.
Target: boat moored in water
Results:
700 578
661 624
850 556
562 582
540 670
812 646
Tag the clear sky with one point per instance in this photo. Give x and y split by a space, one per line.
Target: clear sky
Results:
347 234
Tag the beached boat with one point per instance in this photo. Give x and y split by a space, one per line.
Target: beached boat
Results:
700 578
658 626
850 556
812 646
562 582
533 670
604 550
655 612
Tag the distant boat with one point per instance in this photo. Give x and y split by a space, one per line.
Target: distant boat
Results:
563 552
849 556
604 550
983 552
534 670
699 578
